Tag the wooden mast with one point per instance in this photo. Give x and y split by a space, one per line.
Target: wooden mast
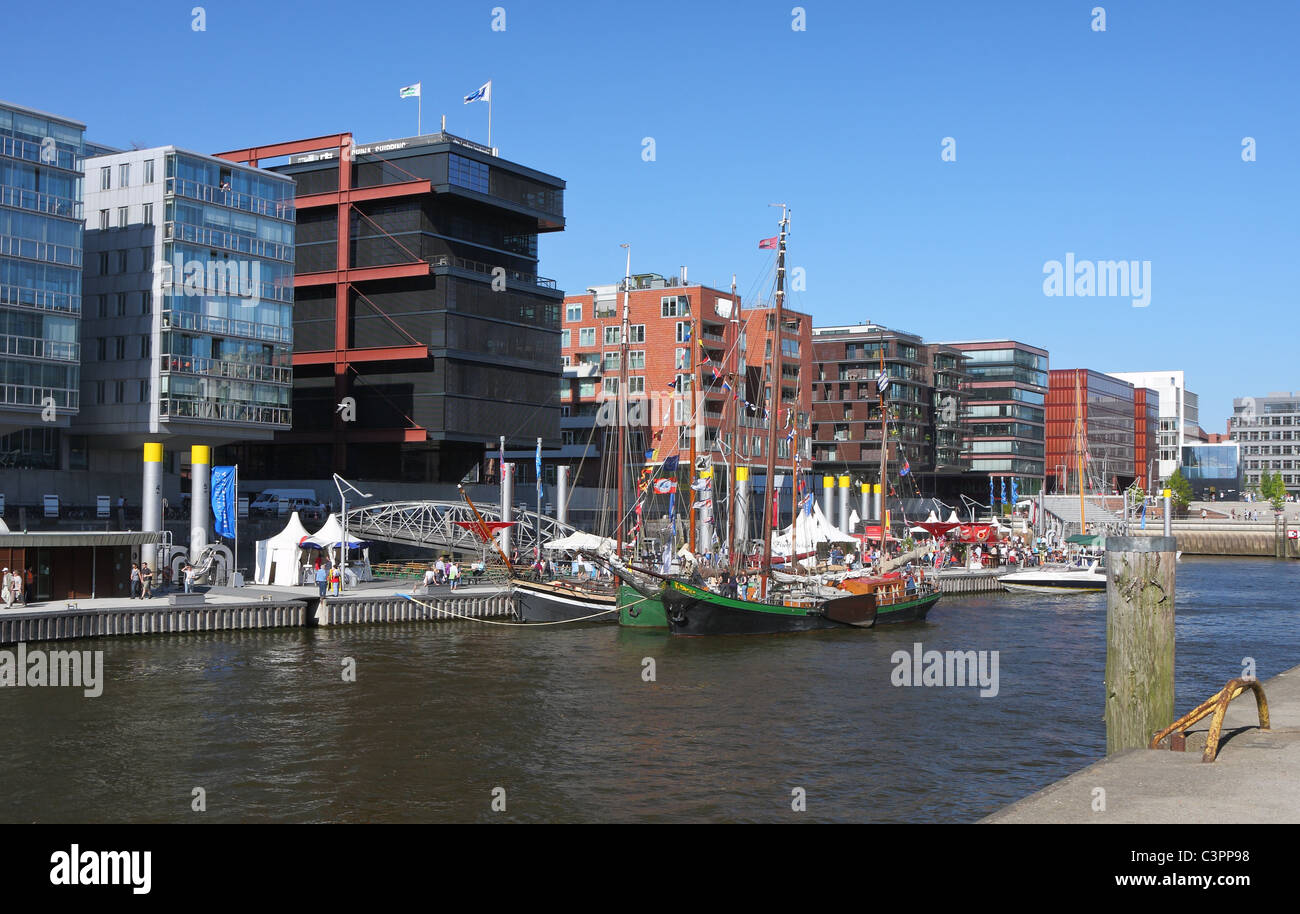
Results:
622 398
884 452
774 400
735 429
691 346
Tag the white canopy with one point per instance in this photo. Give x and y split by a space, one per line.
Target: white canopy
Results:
279 558
330 535
806 532
581 542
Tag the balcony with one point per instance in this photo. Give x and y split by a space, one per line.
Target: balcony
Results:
206 193
474 266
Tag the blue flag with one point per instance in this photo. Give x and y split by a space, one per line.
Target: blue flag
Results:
670 464
1004 490
1144 514
990 492
223 500
1013 490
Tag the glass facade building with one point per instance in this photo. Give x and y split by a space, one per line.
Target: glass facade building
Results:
40 280
190 289
1004 412
1213 470
1109 428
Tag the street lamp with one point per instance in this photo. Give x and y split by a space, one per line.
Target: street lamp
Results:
339 483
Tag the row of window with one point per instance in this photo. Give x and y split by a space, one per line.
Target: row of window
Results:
124 216
101 393
120 302
1282 435
123 175
587 335
115 347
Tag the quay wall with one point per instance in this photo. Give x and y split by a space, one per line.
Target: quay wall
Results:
1225 539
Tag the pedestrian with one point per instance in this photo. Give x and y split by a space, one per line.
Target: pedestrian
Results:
322 579
336 581
135 580
16 585
440 571
430 578
187 575
28 583
453 574
146 581
5 593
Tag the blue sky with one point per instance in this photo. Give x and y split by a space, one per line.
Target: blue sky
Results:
1124 144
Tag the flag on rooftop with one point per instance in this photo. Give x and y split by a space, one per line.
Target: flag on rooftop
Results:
409 91
483 94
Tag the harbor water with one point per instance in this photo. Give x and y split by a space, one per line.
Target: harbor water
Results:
565 722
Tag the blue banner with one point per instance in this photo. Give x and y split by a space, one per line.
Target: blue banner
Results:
223 500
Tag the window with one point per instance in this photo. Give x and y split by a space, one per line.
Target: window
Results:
611 361
609 385
674 306
682 358
468 173
103 219
124 174
121 260
636 359
103 348
636 333
144 392
146 214
636 384
587 336
121 391
573 313
121 304
99 392
564 339
121 216
612 335
119 351
587 388
684 384
101 306
683 331
103 260
148 171
146 302
144 346
106 177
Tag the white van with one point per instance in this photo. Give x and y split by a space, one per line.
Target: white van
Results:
268 502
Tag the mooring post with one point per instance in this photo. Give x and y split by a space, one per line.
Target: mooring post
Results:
1139 639
1169 494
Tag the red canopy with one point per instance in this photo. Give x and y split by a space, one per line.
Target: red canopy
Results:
936 528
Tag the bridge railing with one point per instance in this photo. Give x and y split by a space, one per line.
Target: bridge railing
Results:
440 524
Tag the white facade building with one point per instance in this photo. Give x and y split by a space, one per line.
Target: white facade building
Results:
1179 414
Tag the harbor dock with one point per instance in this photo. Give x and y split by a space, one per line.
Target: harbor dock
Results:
250 607
1255 779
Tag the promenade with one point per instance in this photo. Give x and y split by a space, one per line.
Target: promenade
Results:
1255 780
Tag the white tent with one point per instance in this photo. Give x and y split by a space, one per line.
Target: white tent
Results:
279 558
581 542
330 537
806 532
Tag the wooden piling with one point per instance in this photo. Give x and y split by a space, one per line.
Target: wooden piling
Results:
1139 639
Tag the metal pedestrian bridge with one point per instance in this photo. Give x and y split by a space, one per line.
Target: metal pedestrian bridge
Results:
449 525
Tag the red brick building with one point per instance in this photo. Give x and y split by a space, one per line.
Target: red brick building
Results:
1146 443
680 333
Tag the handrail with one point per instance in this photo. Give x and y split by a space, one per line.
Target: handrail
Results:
1217 704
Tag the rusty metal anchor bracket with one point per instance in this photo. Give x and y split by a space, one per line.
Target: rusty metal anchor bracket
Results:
1217 705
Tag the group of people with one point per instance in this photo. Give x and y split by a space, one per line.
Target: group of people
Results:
144 580
16 586
329 578
443 571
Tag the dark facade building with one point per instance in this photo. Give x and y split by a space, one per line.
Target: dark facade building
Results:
924 400
1109 430
1003 419
422 329
1214 471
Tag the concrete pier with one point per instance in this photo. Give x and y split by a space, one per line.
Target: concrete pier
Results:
1255 780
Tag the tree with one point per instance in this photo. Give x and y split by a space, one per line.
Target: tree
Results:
1273 487
1180 490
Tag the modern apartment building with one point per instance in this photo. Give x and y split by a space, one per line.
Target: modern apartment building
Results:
1004 413
188 324
40 285
1179 414
925 400
1267 429
422 329
1146 442
1108 410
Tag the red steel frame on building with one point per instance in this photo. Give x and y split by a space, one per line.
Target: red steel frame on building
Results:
343 277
